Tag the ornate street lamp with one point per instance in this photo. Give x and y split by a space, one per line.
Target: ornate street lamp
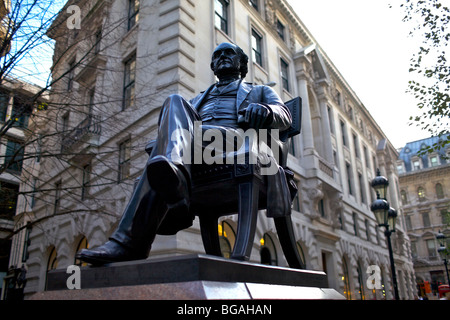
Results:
386 217
392 219
380 184
380 208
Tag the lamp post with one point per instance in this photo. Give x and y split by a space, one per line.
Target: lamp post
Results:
443 251
386 217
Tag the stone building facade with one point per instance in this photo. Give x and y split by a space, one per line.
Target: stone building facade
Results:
117 69
424 190
16 106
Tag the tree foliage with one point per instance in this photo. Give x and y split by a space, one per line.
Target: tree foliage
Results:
430 68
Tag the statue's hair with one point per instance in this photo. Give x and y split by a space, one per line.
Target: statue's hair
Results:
244 62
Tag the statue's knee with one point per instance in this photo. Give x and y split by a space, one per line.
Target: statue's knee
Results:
172 100
174 97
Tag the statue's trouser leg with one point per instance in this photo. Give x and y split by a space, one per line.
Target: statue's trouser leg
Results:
176 132
141 218
146 210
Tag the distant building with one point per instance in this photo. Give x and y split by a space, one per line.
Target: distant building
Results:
118 68
17 103
425 195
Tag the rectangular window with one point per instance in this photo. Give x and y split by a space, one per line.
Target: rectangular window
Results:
408 222
416 164
133 13
431 246
426 219
366 157
414 249
434 161
339 98
64 129
129 83
330 119
356 145
26 243
344 133
348 169
86 181
8 199
65 122
14 156
362 188
124 160
355 223
367 225
91 102
256 47
221 15
321 206
57 203
280 29
4 102
285 74
21 112
445 215
351 113
33 195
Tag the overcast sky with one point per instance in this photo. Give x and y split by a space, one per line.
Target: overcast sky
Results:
370 46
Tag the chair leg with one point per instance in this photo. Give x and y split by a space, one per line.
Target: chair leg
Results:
286 236
247 215
210 235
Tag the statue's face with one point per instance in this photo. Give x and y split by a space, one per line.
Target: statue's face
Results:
225 59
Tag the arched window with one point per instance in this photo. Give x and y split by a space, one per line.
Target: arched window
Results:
83 244
52 263
421 193
360 283
346 280
439 191
268 251
52 260
227 237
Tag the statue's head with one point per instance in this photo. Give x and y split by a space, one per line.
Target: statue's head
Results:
229 58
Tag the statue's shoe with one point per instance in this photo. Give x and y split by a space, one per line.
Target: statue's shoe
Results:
169 182
109 252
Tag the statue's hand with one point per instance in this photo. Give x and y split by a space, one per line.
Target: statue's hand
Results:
256 115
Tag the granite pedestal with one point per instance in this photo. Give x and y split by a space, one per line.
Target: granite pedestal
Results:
189 277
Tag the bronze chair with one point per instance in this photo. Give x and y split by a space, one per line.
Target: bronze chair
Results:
246 193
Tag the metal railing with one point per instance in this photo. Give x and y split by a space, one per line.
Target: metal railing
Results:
90 125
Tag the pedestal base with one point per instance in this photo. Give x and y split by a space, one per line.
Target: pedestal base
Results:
195 277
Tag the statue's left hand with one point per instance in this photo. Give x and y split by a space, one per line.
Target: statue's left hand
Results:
256 115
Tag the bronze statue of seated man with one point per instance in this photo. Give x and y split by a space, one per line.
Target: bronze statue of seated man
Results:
162 196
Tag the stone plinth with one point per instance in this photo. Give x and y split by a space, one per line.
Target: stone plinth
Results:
189 277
